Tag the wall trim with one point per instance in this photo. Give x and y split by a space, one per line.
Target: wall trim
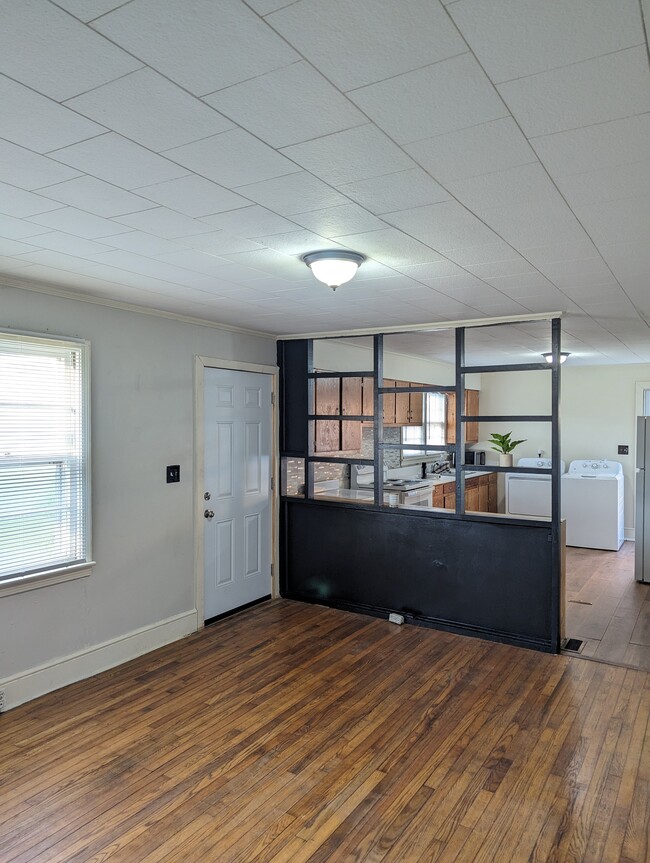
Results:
99 657
9 282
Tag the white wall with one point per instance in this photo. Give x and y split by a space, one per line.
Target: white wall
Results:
598 411
142 420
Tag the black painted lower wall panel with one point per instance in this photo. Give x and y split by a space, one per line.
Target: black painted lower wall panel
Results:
470 577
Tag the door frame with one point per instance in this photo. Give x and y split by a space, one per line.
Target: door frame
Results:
202 363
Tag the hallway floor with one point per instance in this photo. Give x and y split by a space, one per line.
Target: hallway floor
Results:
606 608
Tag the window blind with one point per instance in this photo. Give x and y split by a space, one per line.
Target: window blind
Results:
43 455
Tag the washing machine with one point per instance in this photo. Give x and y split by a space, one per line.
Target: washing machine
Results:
529 495
592 504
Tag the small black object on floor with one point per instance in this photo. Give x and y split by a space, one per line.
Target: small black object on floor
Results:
573 644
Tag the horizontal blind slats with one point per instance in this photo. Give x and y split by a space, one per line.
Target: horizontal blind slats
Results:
43 455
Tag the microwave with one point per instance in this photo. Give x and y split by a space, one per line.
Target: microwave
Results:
474 456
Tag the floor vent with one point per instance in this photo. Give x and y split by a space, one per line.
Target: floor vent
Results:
573 644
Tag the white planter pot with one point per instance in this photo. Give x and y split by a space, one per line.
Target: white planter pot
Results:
505 459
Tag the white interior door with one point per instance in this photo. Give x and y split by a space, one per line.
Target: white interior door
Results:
237 517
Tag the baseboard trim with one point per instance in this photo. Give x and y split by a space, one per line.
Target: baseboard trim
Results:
85 663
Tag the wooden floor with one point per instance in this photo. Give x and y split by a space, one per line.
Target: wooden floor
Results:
606 608
293 733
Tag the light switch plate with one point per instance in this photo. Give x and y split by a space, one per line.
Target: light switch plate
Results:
173 473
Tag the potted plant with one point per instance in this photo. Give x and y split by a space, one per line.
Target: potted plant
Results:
504 445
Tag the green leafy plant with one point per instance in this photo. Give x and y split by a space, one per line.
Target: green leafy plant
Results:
503 442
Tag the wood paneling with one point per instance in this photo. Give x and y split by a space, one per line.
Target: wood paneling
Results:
300 734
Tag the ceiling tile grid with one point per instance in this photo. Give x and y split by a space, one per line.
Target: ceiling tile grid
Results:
487 159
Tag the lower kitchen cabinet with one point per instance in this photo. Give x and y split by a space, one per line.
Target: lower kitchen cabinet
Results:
480 494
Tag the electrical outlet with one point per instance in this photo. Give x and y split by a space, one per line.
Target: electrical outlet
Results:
396 618
3 700
173 473
623 449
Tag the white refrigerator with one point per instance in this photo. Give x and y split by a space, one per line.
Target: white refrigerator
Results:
642 510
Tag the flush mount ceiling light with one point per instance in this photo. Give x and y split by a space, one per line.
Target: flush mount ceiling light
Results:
333 267
549 356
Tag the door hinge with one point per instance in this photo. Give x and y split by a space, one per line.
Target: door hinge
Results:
272 398
272 483
272 571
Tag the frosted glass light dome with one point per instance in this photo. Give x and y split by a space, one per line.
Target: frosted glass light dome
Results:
333 267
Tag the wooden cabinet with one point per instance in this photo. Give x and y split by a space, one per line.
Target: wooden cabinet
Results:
368 397
390 403
400 409
480 494
471 409
351 405
327 401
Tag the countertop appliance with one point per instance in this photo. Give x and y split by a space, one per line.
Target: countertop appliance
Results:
474 456
527 494
592 504
409 492
642 511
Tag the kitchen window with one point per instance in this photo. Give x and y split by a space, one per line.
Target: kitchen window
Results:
44 461
433 430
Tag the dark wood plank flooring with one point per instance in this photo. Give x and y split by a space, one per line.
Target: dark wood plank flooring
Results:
296 734
606 608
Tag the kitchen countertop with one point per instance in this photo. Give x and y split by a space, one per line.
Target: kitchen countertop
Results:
368 496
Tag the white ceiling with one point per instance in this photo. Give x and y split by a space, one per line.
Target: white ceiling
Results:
489 159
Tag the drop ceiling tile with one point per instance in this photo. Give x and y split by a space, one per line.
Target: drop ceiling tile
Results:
355 154
87 10
14 247
338 221
273 263
116 160
523 225
354 43
150 110
485 253
539 256
480 149
193 196
208 265
526 184
213 46
606 184
296 242
164 223
28 170
251 221
46 49
399 191
38 123
591 148
96 197
625 220
431 101
263 7
513 39
530 283
10 265
220 243
592 267
516 267
432 270
287 106
73 221
67 244
391 247
293 193
19 203
232 158
17 229
143 244
594 91
147 267
627 257
443 226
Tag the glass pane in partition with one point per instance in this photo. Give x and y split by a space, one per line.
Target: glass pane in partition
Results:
343 482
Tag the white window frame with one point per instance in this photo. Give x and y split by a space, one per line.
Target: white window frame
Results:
57 574
422 434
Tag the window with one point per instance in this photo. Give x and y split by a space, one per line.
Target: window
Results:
433 431
44 481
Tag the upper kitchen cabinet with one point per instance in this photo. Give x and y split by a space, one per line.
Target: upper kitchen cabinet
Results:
327 401
471 409
408 406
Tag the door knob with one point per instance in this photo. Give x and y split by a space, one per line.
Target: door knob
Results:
207 495
208 513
